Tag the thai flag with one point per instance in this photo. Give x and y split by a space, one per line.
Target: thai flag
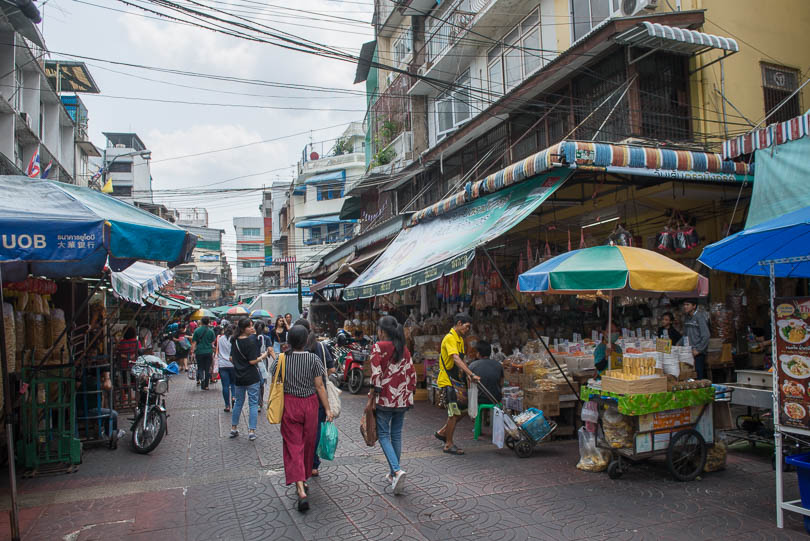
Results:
33 166
47 170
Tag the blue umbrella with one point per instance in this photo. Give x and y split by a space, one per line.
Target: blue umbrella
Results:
786 236
54 229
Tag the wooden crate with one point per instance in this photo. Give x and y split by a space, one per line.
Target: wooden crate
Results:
546 401
649 385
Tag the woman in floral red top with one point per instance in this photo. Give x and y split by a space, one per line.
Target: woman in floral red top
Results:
393 379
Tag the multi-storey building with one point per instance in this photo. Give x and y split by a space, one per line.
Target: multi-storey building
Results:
126 163
206 278
475 86
249 255
41 115
317 196
274 201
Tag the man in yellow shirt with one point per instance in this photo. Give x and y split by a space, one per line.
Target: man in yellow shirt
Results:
451 366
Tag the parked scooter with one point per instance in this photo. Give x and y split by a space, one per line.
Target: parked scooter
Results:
150 422
350 358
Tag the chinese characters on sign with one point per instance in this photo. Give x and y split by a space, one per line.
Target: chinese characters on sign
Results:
792 361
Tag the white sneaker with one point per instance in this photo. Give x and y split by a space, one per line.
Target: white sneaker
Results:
121 434
399 479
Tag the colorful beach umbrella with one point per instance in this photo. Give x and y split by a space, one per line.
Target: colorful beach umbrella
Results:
201 313
236 311
619 270
257 314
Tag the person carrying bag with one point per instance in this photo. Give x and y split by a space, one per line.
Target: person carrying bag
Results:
275 406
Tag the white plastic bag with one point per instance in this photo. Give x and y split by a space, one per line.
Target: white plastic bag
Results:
497 427
472 401
590 412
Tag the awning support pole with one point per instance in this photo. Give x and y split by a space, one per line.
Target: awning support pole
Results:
332 306
14 512
525 313
777 444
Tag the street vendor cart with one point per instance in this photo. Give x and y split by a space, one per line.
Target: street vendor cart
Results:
675 424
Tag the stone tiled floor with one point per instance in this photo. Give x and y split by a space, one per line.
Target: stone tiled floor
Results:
200 485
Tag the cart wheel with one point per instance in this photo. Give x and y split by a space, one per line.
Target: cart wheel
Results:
614 469
510 442
686 455
524 448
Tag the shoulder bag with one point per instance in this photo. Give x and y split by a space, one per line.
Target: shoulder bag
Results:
368 425
275 407
332 392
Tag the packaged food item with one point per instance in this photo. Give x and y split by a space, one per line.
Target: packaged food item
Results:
618 428
11 337
57 327
19 331
591 457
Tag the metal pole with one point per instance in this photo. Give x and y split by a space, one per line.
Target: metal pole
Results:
777 433
14 513
526 315
723 94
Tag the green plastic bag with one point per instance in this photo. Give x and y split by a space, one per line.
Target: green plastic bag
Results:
329 440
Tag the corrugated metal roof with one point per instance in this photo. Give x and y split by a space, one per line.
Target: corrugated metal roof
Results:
674 39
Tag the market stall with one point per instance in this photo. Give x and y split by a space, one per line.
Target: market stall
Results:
69 232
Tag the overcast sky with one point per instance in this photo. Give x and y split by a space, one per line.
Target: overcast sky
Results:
170 130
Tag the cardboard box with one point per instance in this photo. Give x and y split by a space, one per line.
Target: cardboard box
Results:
647 385
722 416
546 401
563 388
757 360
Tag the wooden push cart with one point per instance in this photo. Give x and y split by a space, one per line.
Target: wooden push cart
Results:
681 435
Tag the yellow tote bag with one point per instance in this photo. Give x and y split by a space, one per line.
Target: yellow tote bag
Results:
275 406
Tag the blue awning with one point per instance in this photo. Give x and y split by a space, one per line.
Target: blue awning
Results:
324 220
300 190
334 176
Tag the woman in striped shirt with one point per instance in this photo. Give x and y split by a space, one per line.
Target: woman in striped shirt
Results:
303 380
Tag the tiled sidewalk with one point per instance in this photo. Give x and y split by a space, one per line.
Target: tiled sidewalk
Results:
199 484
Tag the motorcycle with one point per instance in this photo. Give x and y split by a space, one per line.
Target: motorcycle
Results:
150 422
349 361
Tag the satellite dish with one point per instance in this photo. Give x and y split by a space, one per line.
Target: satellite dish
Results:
313 156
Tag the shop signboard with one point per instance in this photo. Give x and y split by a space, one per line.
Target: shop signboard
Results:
446 244
792 362
65 241
659 426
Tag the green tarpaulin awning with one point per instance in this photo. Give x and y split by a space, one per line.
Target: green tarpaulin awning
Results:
446 244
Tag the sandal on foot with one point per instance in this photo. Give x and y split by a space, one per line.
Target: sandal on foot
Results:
453 450
439 437
303 505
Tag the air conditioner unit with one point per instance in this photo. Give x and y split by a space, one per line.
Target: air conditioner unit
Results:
26 118
634 7
421 71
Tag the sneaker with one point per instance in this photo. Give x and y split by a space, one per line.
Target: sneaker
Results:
399 479
390 479
121 434
234 433
252 436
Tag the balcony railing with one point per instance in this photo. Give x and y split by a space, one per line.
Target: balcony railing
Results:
453 25
331 162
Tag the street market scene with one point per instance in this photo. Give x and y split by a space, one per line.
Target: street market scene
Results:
420 269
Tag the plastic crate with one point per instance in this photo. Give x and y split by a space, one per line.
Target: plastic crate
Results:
802 463
537 427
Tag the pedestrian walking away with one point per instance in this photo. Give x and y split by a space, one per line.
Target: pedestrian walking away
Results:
226 370
245 356
452 389
264 347
314 346
202 347
393 381
303 388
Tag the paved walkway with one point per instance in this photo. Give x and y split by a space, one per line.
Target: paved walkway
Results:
198 484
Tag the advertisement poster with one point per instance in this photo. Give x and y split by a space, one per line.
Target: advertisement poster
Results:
792 335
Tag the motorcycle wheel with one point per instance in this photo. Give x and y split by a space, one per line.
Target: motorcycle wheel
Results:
355 380
145 440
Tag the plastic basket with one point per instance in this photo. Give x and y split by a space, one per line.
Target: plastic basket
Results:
802 463
537 427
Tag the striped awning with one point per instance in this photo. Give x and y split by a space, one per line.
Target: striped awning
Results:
775 134
140 280
622 159
170 303
674 39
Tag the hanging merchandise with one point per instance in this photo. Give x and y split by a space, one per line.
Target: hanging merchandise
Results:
582 244
569 240
620 237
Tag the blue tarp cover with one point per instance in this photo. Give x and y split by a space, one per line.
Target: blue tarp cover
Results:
782 237
65 230
334 176
324 220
